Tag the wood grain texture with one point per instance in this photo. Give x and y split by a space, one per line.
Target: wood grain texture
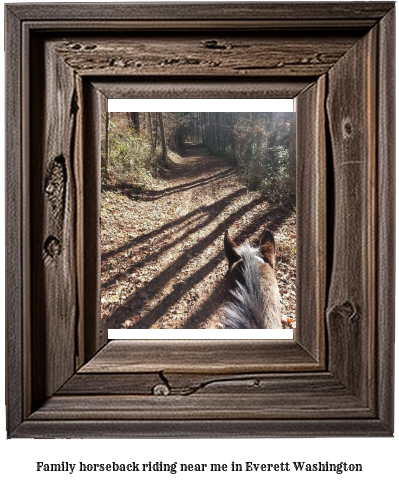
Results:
385 270
200 356
90 336
54 306
351 307
78 175
247 11
79 55
310 336
205 407
109 384
246 54
190 428
311 168
255 396
143 87
14 261
94 335
184 383
211 26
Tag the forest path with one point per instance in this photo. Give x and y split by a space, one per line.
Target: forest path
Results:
163 262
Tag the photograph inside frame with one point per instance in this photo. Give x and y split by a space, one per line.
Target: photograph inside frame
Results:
198 220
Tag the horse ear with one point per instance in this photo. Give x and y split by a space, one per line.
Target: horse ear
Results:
268 247
229 248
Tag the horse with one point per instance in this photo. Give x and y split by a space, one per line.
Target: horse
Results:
253 298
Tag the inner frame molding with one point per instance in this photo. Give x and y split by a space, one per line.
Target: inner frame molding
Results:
336 376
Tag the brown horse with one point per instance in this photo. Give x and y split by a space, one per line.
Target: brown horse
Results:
253 297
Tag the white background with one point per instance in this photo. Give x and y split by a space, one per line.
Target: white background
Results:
18 457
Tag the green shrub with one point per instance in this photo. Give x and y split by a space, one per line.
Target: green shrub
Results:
131 158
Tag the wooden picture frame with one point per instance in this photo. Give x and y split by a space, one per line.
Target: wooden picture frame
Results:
336 376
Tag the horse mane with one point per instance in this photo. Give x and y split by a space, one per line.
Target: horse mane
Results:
246 309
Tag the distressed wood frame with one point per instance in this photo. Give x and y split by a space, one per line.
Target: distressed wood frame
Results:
336 376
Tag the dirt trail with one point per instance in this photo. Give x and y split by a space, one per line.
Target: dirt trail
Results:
163 261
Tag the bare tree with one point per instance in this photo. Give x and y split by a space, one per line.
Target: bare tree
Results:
151 134
163 140
106 144
292 156
134 120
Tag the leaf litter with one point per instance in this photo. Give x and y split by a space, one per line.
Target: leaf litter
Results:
162 254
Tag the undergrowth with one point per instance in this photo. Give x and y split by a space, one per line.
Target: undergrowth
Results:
132 160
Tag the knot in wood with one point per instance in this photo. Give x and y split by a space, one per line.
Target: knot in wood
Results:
50 189
347 128
54 186
349 310
90 47
213 44
52 246
161 390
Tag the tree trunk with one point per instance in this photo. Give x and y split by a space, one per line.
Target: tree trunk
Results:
211 141
203 128
156 132
135 120
106 145
233 137
180 136
163 140
151 134
224 122
292 156
218 131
